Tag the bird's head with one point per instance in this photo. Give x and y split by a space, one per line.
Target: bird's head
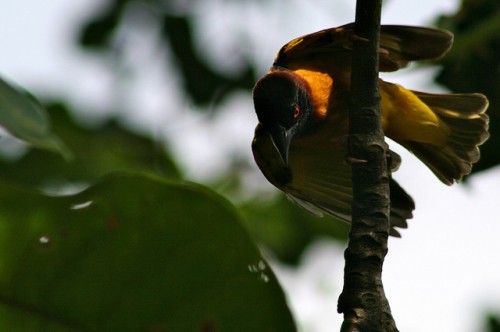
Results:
283 105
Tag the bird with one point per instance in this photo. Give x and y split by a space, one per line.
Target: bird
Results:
302 106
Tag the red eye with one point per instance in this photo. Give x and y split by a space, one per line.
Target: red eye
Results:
296 113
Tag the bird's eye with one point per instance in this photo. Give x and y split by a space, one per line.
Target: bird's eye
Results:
296 112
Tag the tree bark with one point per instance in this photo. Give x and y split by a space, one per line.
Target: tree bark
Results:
363 300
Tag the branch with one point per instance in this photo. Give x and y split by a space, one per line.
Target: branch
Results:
363 301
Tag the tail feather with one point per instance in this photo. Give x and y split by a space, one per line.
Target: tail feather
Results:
402 206
464 115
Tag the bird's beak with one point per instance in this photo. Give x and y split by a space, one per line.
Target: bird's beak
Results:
281 138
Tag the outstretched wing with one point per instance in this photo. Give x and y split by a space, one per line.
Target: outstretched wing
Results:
322 183
319 179
328 49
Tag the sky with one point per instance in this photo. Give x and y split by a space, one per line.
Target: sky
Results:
443 275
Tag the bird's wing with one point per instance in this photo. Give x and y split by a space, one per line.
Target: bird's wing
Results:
321 182
319 177
328 49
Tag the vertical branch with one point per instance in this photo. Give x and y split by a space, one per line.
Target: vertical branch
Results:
363 301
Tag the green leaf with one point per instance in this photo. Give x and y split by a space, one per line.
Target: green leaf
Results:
132 253
23 117
98 150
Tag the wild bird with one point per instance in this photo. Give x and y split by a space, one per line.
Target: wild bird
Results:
302 105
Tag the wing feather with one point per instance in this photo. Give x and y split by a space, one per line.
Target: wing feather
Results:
321 182
330 49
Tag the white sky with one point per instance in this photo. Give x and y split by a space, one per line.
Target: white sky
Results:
441 276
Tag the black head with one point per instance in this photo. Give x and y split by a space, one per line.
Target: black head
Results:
283 105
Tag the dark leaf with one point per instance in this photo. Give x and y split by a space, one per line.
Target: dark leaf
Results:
132 253
493 323
99 31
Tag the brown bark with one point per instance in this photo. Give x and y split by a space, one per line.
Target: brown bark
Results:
363 300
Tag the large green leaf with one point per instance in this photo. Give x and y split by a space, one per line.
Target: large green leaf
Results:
23 117
132 253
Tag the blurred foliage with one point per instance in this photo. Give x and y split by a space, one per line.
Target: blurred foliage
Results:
132 253
473 64
22 116
202 82
286 229
97 151
492 323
